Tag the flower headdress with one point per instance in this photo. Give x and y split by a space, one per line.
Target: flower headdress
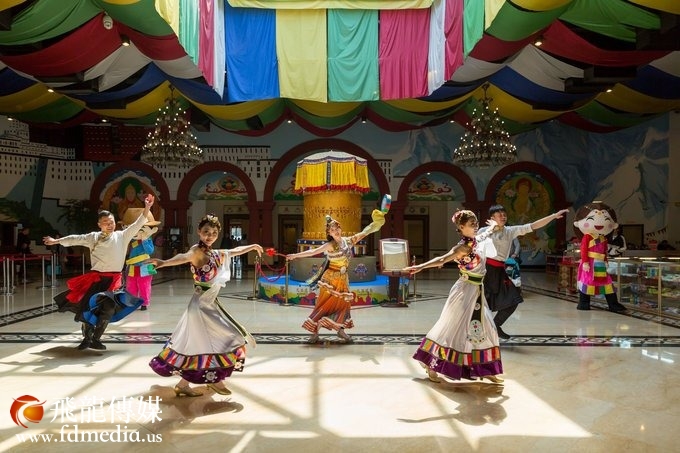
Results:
212 220
330 221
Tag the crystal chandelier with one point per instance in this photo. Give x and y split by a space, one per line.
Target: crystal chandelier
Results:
485 142
171 143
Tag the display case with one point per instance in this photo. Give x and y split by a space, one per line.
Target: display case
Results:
648 285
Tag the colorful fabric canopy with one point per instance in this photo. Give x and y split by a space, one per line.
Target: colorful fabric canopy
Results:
249 65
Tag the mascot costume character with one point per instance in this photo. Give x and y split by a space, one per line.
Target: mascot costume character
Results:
138 276
593 223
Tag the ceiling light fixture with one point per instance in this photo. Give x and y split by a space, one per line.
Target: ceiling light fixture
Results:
125 41
171 143
485 142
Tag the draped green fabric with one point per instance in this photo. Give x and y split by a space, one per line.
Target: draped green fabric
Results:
473 24
598 113
46 20
391 113
615 18
514 24
188 28
353 55
60 110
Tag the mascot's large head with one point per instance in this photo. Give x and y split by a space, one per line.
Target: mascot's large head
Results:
150 227
595 219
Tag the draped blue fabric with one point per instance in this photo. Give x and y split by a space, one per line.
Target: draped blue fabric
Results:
511 82
447 92
654 82
11 82
252 67
197 91
353 55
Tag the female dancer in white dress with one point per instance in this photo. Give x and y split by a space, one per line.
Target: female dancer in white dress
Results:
207 344
463 343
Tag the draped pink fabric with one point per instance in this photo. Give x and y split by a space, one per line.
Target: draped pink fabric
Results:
402 53
453 30
206 48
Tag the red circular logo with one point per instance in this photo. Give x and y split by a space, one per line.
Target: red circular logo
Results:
27 407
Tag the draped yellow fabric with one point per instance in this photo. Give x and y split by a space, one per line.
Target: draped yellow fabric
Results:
141 107
31 98
543 5
326 110
626 100
7 4
342 174
332 4
362 177
670 6
491 8
241 111
169 10
420 106
121 2
302 53
311 176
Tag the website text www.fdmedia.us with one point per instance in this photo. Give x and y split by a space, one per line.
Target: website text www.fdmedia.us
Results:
75 434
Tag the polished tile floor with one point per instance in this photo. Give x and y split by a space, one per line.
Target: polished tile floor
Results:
574 381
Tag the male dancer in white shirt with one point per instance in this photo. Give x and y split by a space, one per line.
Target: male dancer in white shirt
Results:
501 294
108 249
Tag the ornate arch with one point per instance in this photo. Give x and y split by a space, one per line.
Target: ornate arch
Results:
399 206
183 204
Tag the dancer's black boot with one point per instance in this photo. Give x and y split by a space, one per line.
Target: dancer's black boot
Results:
88 331
98 332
